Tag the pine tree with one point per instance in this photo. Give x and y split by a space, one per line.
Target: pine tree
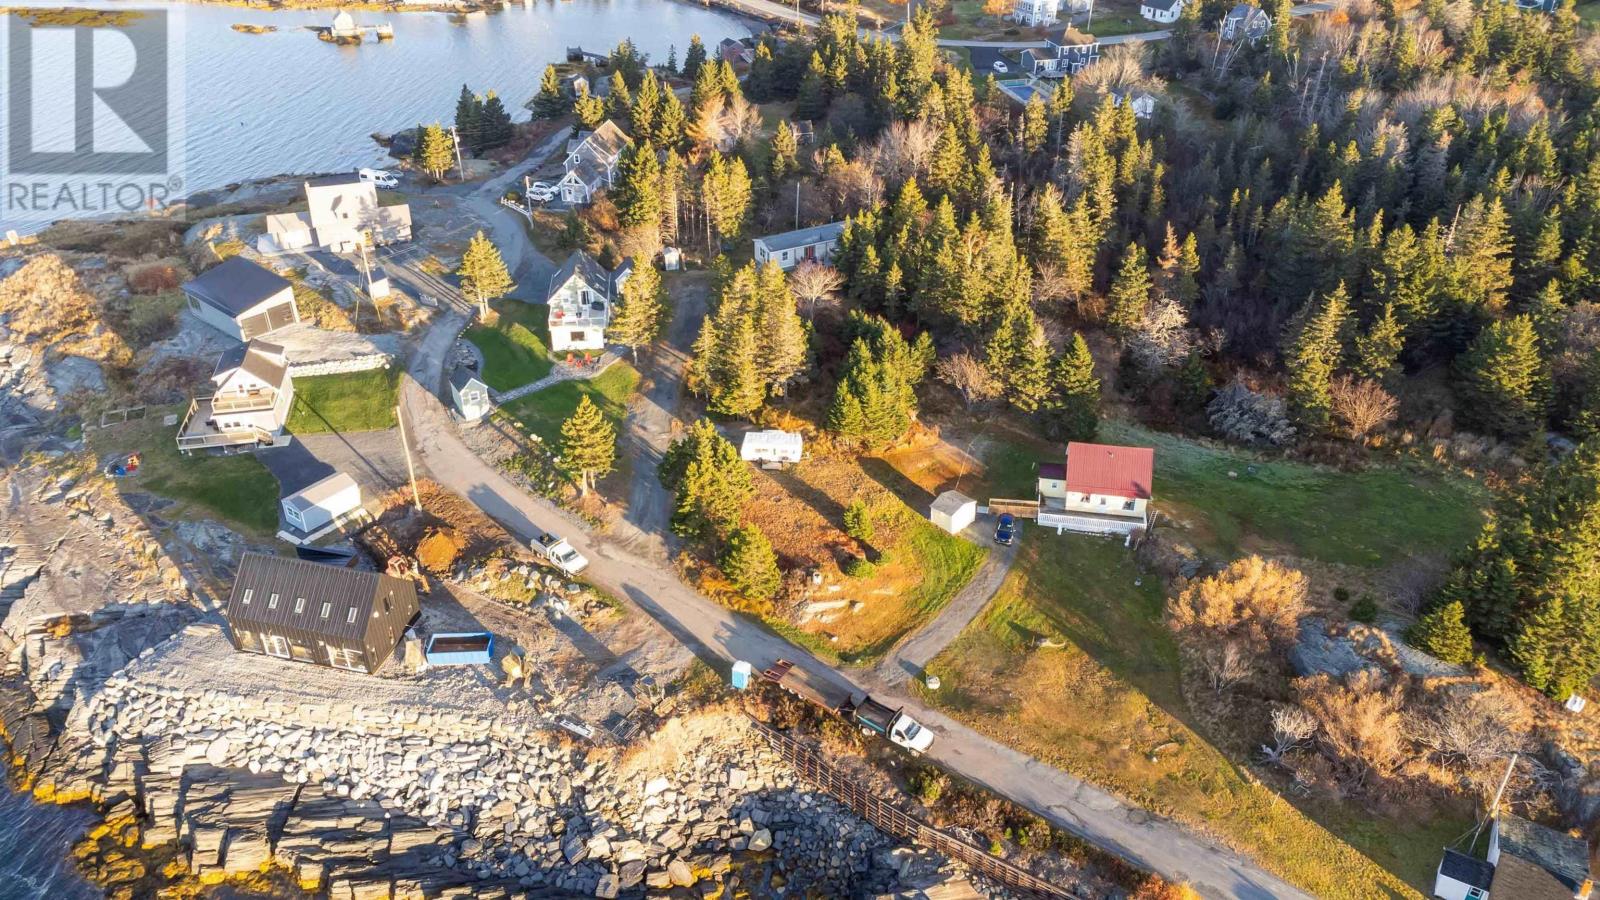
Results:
1502 383
483 273
435 151
709 479
640 312
589 110
619 99
1034 129
637 189
750 564
551 101
1130 293
783 336
1311 357
1378 349
726 192
494 123
469 112
736 386
588 444
646 109
1018 357
694 59
1072 412
785 152
672 59
1442 631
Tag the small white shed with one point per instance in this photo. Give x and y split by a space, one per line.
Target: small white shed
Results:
1462 877
953 511
772 446
470 395
322 504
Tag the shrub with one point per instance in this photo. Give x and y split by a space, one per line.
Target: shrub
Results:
1442 631
1365 609
750 563
927 785
1341 595
858 521
860 567
153 278
1255 598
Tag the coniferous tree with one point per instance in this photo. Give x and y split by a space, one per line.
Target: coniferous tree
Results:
785 152
750 564
1072 412
483 273
637 189
619 99
710 481
783 334
1442 631
640 312
670 122
735 384
646 108
494 123
435 151
1130 293
1311 357
589 110
1502 383
694 58
726 194
1018 357
469 112
551 101
875 401
1377 350
588 444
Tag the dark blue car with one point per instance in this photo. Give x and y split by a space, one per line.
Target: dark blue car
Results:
1005 530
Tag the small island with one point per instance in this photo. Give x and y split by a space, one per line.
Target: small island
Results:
247 28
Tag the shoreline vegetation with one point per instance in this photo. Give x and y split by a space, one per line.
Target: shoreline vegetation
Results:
75 17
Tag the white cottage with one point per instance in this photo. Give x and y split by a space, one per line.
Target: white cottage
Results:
342 212
241 299
320 506
1102 489
1034 13
470 395
591 162
791 248
1163 11
249 405
580 297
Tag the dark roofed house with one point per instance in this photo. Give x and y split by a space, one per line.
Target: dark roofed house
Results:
1245 22
1526 861
242 299
791 248
306 611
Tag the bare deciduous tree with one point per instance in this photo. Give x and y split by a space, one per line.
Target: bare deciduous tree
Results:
1163 339
1225 664
1360 726
904 150
968 375
1469 732
813 281
1362 406
1292 726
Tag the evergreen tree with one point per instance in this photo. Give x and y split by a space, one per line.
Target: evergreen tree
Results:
735 384
1442 631
1130 293
726 194
589 110
783 334
694 59
483 273
551 102
785 152
469 112
1072 412
1311 357
1034 128
640 312
494 123
637 189
619 99
588 444
1501 380
672 59
1378 349
709 479
436 151
671 122
750 564
1018 357
646 109
875 401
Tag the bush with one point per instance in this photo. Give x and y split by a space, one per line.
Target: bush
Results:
927 784
153 278
1341 595
1365 609
1442 631
858 521
860 567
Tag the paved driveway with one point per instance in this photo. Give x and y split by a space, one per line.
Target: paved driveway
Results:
374 459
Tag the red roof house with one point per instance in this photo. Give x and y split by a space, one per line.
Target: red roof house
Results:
1102 489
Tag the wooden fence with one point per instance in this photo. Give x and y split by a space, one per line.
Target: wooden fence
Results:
893 821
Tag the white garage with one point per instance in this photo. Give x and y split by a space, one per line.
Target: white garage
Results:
953 511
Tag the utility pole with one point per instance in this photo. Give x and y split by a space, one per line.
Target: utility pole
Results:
366 272
1088 24
455 139
1494 808
416 499
797 206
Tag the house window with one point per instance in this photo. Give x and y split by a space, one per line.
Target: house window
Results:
327 609
276 645
248 593
1102 501
351 618
299 605
1128 505
272 601
576 336
345 658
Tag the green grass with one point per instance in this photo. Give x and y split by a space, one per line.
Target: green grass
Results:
1373 517
355 401
946 563
542 412
1589 13
516 349
236 490
1106 702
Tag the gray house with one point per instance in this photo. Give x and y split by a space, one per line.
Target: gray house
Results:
1066 51
310 612
791 248
241 299
1245 22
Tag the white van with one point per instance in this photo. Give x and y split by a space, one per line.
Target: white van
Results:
379 177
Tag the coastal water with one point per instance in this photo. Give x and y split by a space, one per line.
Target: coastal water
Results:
287 103
36 849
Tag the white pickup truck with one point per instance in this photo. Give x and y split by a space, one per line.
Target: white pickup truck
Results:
560 553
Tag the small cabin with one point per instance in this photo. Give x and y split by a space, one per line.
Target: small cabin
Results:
953 511
772 447
470 395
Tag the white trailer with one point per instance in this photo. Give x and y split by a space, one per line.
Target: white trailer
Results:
321 505
775 447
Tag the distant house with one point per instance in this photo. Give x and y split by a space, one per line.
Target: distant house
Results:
1143 102
1526 861
249 404
1066 52
953 511
791 248
1101 489
591 162
1245 22
772 446
469 395
1163 11
575 85
1034 13
735 52
342 213
306 611
344 26
320 506
580 297
241 299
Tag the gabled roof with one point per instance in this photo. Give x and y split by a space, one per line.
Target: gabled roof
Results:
291 579
816 234
264 361
1109 469
461 379
950 502
584 266
235 286
604 143
1562 857
321 492
344 179
1162 5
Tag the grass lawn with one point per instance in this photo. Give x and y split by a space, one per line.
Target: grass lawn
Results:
1108 706
236 490
1589 12
542 412
516 349
354 401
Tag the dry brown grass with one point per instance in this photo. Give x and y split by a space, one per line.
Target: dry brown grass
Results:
47 305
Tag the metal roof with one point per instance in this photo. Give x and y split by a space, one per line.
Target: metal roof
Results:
1469 870
816 234
584 266
259 358
236 286
261 576
1109 469
322 491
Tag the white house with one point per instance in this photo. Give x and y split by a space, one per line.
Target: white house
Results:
344 25
1163 11
1066 51
342 212
580 297
791 248
953 511
1245 22
1143 102
591 162
1101 489
1526 861
320 506
772 446
241 299
470 395
249 404
1034 13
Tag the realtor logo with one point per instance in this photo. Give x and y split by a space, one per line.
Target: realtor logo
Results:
92 112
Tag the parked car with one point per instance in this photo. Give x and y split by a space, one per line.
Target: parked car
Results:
379 177
541 191
1005 530
1000 66
560 553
